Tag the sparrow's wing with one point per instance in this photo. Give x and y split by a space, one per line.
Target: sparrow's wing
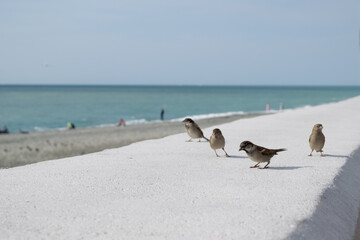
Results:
198 128
201 132
265 151
269 152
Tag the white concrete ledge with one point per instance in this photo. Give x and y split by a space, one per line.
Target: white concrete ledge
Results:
171 189
336 215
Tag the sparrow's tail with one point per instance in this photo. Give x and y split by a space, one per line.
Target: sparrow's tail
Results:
206 139
279 150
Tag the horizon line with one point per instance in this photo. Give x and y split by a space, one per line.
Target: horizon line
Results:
168 85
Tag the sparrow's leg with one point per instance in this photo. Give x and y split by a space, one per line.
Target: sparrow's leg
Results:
216 153
199 139
225 152
255 166
311 152
190 140
266 166
321 154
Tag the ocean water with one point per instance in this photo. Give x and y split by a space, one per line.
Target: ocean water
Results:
41 108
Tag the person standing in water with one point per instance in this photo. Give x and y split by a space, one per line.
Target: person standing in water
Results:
162 114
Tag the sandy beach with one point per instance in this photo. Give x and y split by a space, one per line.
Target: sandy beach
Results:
21 149
168 188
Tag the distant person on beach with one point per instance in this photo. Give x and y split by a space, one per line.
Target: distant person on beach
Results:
70 126
162 114
281 106
4 130
121 123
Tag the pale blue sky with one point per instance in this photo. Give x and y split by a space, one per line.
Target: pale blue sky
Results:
180 42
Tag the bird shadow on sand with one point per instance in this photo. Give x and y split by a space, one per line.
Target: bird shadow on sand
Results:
236 156
335 156
288 168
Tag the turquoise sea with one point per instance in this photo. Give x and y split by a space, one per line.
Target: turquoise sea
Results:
41 108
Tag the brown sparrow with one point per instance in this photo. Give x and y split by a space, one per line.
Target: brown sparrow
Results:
317 139
259 154
217 141
193 129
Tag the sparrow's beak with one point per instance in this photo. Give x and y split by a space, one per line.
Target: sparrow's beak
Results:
241 149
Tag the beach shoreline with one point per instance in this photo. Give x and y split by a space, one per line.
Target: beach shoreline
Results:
21 149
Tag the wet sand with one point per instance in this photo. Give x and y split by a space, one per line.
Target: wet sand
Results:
22 149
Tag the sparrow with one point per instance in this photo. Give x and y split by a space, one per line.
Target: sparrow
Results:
317 139
259 154
217 141
193 129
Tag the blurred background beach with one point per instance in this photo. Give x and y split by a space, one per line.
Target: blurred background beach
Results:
44 108
44 113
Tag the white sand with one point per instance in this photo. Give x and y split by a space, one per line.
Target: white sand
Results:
171 189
